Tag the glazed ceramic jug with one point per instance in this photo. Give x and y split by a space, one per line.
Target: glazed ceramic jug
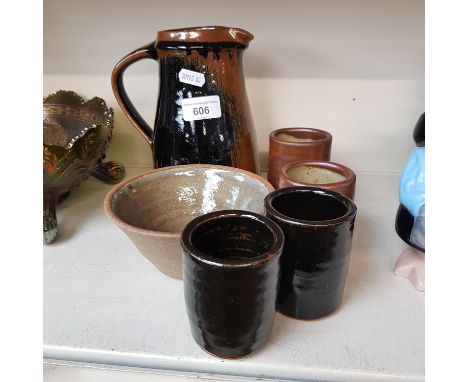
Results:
203 115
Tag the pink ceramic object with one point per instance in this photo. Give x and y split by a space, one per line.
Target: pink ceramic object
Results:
411 265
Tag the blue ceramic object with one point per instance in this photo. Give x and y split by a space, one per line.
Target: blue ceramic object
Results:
412 182
411 214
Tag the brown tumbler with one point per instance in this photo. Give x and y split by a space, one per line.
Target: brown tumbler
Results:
318 229
231 278
329 175
296 144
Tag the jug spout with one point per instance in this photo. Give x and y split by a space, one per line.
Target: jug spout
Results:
207 34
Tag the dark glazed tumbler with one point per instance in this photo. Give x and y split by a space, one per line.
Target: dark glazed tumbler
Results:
231 279
318 228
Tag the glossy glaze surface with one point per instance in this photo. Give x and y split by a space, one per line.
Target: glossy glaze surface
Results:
318 228
404 222
412 190
231 277
154 207
328 175
215 53
282 152
76 134
419 132
410 217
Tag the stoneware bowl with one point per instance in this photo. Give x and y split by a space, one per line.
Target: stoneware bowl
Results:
295 144
153 208
328 175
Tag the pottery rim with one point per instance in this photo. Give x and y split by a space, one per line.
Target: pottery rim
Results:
338 168
325 135
208 33
274 250
143 231
351 208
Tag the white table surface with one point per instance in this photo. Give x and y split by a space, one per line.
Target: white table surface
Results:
104 303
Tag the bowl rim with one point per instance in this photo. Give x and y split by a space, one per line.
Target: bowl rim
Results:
148 232
348 174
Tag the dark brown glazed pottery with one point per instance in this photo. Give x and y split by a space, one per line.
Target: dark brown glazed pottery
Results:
231 277
203 114
318 228
75 136
308 145
328 175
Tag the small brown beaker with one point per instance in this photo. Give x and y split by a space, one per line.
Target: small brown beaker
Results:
296 144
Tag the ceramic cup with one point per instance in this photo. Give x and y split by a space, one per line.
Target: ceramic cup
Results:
296 144
231 276
154 207
318 228
329 175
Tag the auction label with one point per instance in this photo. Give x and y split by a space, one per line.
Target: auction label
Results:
190 77
197 108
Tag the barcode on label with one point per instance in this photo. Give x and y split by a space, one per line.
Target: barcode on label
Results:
190 77
197 108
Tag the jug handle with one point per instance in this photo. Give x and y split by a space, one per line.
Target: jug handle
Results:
146 51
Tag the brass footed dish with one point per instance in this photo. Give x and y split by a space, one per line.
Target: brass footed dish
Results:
75 136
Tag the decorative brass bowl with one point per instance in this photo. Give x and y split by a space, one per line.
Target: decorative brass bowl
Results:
75 136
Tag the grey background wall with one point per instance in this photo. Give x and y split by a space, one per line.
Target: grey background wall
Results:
296 38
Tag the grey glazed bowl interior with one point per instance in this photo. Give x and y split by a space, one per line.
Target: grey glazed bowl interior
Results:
154 207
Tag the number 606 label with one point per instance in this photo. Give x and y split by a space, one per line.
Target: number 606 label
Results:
197 108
